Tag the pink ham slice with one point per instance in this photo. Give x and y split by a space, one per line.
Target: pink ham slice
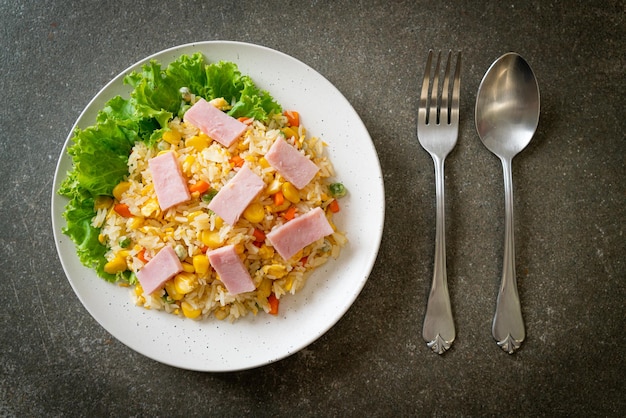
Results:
232 199
169 184
218 125
291 164
162 267
296 234
231 270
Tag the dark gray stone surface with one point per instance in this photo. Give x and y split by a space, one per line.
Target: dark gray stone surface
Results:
570 187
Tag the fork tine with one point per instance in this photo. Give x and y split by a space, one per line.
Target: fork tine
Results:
434 105
423 104
456 92
443 107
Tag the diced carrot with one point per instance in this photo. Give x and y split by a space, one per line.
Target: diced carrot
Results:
279 198
290 213
273 301
259 236
334 206
237 161
200 187
245 119
304 259
142 255
204 249
123 210
293 117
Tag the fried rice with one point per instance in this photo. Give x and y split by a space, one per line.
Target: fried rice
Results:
192 229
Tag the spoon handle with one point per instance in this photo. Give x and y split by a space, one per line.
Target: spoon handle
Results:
508 325
438 330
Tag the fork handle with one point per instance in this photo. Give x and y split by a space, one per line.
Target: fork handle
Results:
438 330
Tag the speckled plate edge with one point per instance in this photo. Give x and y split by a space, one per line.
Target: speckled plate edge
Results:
252 341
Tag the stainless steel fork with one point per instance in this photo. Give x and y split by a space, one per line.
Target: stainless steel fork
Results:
437 131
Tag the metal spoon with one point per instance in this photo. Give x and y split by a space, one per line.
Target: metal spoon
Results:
507 114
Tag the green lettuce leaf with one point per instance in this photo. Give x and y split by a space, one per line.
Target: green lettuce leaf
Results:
225 80
100 156
124 113
254 103
78 215
190 72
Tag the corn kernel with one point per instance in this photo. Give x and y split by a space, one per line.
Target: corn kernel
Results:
188 268
135 222
290 132
219 222
198 142
138 290
220 103
102 202
280 208
211 239
290 192
200 263
242 145
184 283
254 213
189 311
101 238
263 162
116 265
222 313
187 163
194 215
120 189
170 288
172 137
239 248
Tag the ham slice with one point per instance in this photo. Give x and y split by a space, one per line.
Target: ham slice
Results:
296 234
231 270
169 184
216 124
162 267
291 164
232 199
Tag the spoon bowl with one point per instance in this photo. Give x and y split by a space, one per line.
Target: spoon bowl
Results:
507 106
507 114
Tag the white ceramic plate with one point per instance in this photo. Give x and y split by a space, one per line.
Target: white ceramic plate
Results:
212 345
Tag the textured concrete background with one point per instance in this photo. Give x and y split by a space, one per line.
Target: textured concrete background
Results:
569 184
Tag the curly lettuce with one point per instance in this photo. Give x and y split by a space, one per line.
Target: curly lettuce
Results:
100 152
